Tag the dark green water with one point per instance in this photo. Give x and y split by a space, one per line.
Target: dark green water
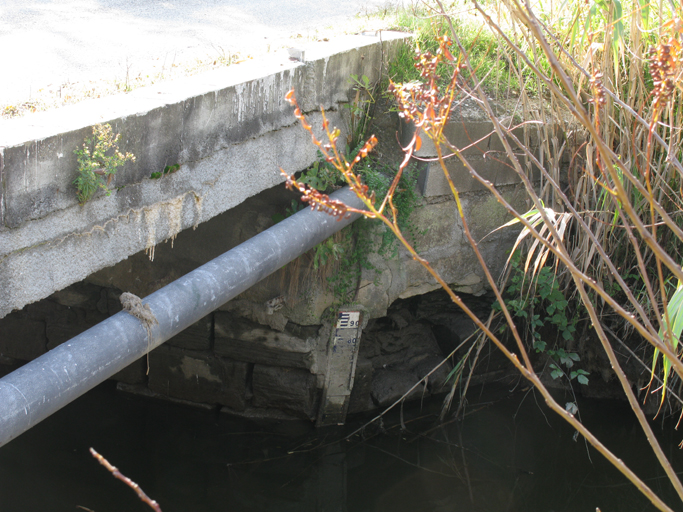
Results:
509 454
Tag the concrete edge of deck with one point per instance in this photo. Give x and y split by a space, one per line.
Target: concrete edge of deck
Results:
230 131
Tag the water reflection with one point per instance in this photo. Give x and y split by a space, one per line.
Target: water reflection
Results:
508 454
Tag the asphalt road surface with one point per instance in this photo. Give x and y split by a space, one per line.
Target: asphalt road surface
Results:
47 43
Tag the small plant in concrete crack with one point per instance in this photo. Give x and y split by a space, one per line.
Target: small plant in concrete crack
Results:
169 169
97 162
359 109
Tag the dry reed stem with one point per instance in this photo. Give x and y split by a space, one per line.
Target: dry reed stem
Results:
606 185
652 336
117 474
560 251
580 281
435 131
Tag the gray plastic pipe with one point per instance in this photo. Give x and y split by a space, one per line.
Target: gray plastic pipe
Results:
48 383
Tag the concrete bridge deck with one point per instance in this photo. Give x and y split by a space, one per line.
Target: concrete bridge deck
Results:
230 131
63 47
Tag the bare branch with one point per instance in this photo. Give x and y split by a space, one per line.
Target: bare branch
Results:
117 474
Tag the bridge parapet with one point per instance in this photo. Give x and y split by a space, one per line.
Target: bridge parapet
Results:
230 131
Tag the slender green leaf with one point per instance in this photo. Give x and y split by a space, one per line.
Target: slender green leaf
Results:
645 13
674 326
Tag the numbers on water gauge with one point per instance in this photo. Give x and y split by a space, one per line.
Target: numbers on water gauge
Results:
348 319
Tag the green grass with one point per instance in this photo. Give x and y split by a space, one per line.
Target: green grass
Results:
576 24
481 45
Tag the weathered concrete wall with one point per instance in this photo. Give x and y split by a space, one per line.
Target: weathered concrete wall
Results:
230 131
471 131
260 363
246 357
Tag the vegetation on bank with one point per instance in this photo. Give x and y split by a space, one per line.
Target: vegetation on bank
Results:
598 84
621 63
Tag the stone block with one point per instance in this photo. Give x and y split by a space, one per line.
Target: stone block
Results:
388 386
269 419
8 365
361 394
66 323
243 340
255 311
288 389
82 295
497 169
485 215
470 130
415 337
113 302
134 373
445 229
198 377
195 337
22 338
426 363
62 328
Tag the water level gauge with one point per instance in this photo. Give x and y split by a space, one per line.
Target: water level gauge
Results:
342 353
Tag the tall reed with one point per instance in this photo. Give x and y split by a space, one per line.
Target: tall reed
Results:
600 90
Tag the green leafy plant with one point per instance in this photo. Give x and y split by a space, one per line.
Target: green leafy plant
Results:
98 161
341 259
539 302
360 240
328 251
321 176
358 243
379 178
169 169
359 110
567 359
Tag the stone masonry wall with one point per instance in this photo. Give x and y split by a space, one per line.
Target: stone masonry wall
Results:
256 362
252 370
